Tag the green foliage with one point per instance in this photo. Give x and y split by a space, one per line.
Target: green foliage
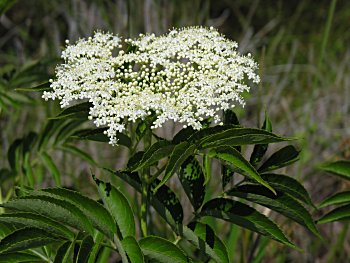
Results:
75 226
342 199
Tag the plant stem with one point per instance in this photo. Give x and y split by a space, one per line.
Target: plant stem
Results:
145 179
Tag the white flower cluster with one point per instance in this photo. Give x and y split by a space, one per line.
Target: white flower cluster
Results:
186 76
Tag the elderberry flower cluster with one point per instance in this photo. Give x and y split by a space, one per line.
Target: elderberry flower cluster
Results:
187 75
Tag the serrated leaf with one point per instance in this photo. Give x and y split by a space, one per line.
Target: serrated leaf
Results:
51 167
63 253
118 206
64 132
179 154
244 216
98 238
19 257
289 185
240 136
233 157
337 199
281 203
77 111
58 210
337 214
192 179
37 221
260 149
77 152
85 250
340 168
26 238
283 157
156 152
204 238
162 250
94 211
133 250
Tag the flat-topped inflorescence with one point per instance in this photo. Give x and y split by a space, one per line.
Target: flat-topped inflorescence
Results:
187 75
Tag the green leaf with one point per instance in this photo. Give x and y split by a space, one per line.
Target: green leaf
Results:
64 252
64 132
279 159
162 250
58 210
230 117
13 154
281 203
144 126
19 257
337 199
98 237
77 111
202 134
135 159
338 214
183 135
38 221
98 135
26 238
340 168
260 149
39 88
240 136
6 5
166 203
156 152
204 238
85 250
244 216
50 128
289 185
227 174
164 200
51 167
77 152
192 179
118 206
132 249
233 157
179 154
94 211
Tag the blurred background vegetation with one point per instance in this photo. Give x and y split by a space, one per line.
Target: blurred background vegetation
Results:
304 55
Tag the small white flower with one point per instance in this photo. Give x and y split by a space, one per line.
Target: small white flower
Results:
186 76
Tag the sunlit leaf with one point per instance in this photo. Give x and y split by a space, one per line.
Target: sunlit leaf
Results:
340 168
337 199
118 206
26 238
235 158
162 250
338 214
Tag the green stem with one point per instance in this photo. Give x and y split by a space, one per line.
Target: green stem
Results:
145 179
